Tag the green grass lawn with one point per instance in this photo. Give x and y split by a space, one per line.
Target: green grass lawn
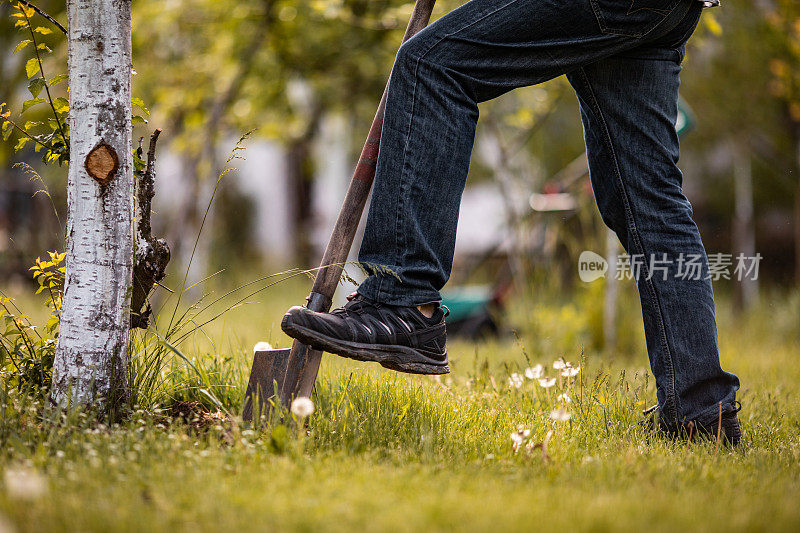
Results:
384 451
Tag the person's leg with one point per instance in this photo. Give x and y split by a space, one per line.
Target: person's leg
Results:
629 109
477 52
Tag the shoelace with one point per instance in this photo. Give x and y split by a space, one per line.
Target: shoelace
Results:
354 302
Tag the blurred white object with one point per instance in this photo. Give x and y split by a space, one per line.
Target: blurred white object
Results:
24 484
553 202
262 347
302 407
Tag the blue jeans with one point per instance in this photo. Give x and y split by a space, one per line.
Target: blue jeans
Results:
623 59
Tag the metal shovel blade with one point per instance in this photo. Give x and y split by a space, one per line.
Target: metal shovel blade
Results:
266 376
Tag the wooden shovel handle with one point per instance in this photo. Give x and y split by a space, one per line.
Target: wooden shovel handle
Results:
304 361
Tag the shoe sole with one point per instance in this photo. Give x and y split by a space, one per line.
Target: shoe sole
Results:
391 356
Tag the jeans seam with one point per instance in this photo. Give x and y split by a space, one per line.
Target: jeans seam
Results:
639 36
677 5
672 400
686 36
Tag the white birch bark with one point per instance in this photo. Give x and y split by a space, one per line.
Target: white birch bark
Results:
91 358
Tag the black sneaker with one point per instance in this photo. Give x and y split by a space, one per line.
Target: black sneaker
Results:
730 432
399 338
728 428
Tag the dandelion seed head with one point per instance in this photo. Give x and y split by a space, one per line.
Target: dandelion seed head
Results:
571 371
534 372
24 484
546 383
518 437
560 415
515 380
560 364
262 347
302 407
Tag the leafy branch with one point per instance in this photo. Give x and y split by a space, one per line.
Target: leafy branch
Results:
44 14
43 31
55 140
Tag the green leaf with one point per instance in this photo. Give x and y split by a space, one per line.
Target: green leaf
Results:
138 120
22 45
55 80
6 133
21 142
35 86
32 67
42 30
27 104
140 104
61 105
43 47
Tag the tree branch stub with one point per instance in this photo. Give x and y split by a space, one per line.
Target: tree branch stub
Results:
102 163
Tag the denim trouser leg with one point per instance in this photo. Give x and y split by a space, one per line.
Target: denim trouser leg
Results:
488 47
633 153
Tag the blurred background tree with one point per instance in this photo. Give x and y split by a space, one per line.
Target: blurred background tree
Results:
783 23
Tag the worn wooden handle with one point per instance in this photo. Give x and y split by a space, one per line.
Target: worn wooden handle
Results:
303 361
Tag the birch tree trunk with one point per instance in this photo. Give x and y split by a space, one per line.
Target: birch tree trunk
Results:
90 365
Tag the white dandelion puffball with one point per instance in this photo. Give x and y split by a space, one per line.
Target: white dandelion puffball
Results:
564 398
560 364
534 372
515 380
560 415
517 437
262 347
547 382
24 484
302 407
571 371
